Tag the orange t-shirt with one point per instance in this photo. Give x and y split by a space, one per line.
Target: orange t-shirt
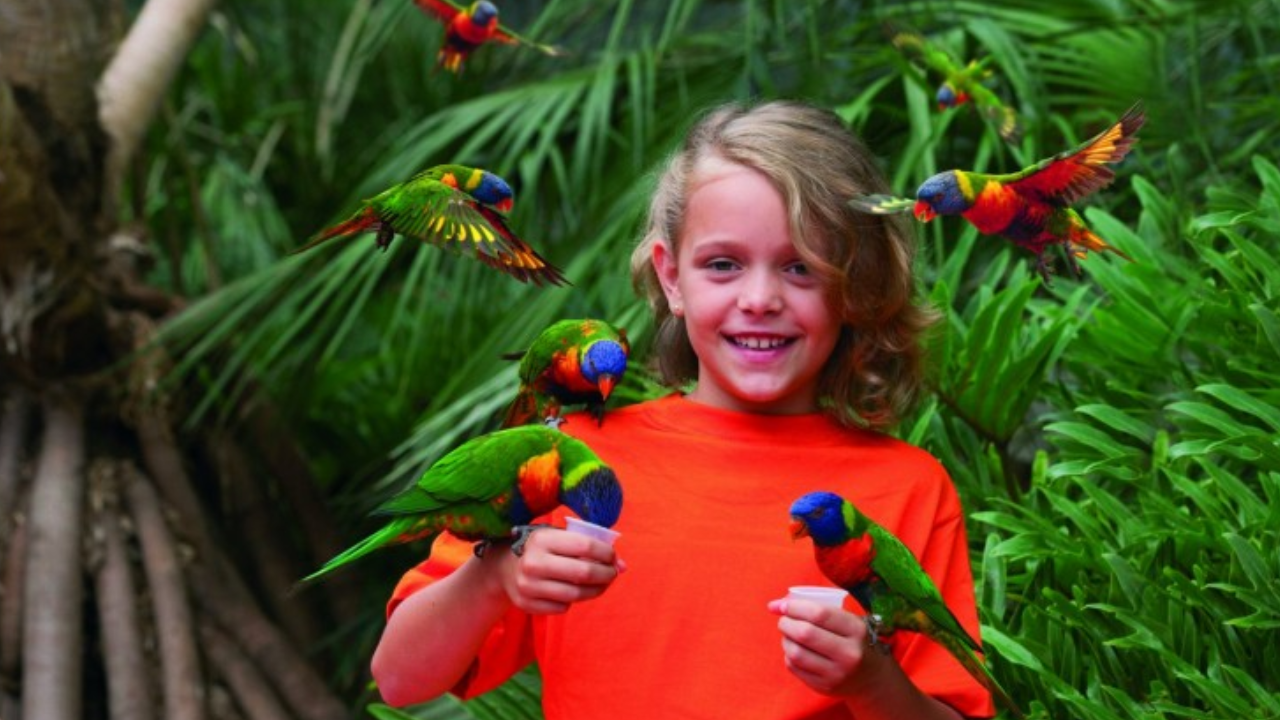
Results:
685 633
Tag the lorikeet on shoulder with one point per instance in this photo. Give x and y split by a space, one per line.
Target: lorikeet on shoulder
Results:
882 574
1031 207
466 29
494 484
961 84
571 362
450 206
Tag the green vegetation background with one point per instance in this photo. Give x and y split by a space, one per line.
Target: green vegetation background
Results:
1114 438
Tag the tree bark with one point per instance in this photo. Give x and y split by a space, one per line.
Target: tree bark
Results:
297 682
13 431
11 614
253 694
180 663
259 523
52 622
129 691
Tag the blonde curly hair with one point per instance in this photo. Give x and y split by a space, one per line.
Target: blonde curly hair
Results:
817 164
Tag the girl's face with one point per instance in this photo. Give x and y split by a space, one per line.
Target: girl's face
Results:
758 321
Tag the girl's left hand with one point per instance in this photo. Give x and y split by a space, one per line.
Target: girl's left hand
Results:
827 648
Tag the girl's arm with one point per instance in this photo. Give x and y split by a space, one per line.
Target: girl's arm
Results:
827 649
433 636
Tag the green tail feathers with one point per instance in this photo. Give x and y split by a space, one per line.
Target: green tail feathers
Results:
971 662
398 531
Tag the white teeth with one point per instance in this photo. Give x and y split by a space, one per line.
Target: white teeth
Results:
755 343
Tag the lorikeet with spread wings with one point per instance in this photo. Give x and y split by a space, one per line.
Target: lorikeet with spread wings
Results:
880 572
572 361
449 206
960 83
466 29
1031 207
493 485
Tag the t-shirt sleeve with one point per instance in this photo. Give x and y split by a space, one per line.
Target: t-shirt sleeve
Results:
509 645
933 669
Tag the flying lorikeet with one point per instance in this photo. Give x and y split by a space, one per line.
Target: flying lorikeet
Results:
493 485
886 579
572 361
960 83
449 206
1031 207
466 29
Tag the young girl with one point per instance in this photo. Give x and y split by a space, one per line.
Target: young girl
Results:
794 317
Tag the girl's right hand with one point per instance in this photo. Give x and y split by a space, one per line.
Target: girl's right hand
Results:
557 569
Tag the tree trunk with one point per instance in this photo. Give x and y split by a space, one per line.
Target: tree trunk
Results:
129 690
52 623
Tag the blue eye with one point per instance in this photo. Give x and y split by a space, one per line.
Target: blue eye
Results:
798 269
721 265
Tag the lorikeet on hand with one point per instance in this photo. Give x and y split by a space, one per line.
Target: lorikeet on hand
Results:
1031 207
494 484
466 29
449 206
572 361
886 579
960 83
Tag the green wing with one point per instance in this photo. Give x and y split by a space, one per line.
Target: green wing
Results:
511 37
899 569
920 51
480 470
881 204
1002 117
557 336
429 210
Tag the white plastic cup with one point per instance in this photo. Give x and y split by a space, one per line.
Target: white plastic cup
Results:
582 527
822 595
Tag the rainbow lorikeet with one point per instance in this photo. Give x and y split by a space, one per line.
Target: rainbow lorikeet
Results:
466 29
961 84
886 579
493 485
1030 207
572 361
449 206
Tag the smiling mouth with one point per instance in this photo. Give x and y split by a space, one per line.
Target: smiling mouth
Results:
760 343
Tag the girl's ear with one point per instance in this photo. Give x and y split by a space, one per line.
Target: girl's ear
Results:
664 264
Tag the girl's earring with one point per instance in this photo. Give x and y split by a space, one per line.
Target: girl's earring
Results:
677 309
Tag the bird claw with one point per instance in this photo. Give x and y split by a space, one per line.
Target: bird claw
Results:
875 625
521 533
553 421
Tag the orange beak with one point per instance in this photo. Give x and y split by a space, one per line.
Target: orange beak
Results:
504 205
606 383
923 212
799 530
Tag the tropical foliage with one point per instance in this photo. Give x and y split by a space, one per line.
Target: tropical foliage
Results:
1113 436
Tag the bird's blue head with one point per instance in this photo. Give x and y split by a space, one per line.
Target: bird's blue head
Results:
494 192
596 497
941 195
820 515
603 364
483 13
946 96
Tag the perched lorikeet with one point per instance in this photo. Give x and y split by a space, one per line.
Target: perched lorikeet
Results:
572 361
1031 207
466 29
886 579
960 83
493 485
449 206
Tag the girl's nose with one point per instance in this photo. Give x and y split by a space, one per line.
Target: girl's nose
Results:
761 293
